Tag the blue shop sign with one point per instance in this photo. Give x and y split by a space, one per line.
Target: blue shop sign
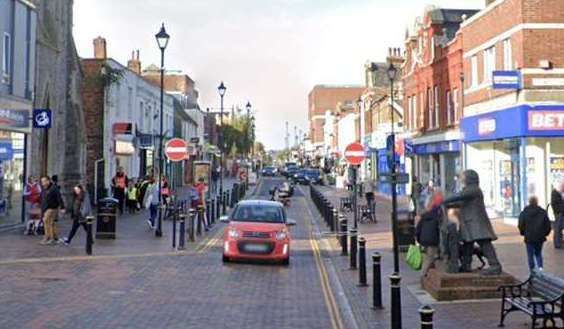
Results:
506 79
438 147
518 121
15 120
6 151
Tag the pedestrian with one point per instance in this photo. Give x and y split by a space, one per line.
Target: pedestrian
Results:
201 187
416 189
426 193
32 197
534 226
165 190
151 202
119 184
132 198
50 205
142 190
557 204
369 193
215 178
427 231
81 208
55 181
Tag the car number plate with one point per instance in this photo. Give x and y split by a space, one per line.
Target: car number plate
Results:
256 247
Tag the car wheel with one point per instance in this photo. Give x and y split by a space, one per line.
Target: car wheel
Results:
286 261
225 259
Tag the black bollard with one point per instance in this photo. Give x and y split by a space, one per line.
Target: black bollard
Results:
426 312
223 203
208 211
200 220
362 262
182 236
353 248
89 240
395 280
191 224
217 207
334 220
174 214
376 281
343 233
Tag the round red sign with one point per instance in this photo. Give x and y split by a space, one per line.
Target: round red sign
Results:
355 154
176 149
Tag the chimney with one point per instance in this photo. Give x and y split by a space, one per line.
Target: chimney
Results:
134 64
100 48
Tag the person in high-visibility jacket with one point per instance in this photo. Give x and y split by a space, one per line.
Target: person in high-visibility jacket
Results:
132 194
119 184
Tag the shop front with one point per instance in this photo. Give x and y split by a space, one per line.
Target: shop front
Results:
518 152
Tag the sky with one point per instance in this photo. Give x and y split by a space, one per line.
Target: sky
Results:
268 52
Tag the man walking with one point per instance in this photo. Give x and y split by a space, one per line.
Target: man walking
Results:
50 204
119 184
557 204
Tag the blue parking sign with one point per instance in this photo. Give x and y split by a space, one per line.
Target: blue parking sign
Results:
42 118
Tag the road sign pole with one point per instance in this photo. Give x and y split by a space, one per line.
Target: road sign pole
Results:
354 199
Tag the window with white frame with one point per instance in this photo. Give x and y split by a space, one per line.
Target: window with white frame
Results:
437 107
430 107
414 112
455 110
489 63
409 110
449 107
6 54
474 67
507 55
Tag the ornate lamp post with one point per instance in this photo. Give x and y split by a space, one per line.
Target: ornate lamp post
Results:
162 40
248 140
221 90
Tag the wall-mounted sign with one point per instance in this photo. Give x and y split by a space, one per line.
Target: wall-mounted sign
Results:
548 82
124 148
6 151
486 126
15 120
506 79
546 120
195 140
123 128
42 118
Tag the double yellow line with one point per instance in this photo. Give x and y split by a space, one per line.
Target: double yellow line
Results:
206 245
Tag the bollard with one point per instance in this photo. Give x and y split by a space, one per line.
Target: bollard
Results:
208 211
191 224
426 313
182 236
362 262
353 248
376 281
174 214
89 240
217 208
200 219
334 220
343 232
223 204
395 280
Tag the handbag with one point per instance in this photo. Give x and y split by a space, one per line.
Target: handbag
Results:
414 258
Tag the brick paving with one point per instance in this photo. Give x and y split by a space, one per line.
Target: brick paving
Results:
192 290
471 314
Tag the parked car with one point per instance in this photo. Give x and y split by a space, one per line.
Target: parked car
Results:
269 171
300 177
313 176
257 230
291 171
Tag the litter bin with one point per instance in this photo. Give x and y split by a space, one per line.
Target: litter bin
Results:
406 229
106 218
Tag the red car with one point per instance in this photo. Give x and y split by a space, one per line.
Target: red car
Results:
257 230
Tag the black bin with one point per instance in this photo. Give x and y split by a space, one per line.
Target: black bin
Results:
406 229
106 218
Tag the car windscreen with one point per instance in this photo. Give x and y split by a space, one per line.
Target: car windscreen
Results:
313 172
258 213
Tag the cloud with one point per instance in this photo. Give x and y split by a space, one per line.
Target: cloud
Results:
268 52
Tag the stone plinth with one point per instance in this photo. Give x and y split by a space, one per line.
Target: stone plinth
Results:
463 286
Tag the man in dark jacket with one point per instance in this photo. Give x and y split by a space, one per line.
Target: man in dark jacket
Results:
50 205
427 235
475 225
534 225
557 204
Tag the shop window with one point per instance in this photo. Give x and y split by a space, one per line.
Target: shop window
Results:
474 64
507 55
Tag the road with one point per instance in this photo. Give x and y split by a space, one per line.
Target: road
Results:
193 290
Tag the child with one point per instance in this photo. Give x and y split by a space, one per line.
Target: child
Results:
131 198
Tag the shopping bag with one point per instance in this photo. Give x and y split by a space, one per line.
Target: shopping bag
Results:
414 258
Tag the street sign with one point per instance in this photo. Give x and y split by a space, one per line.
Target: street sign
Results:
506 79
195 140
355 154
42 118
400 178
176 150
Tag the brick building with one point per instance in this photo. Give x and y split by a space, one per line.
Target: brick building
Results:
514 100
433 95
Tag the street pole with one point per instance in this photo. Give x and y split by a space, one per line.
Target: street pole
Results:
395 278
221 90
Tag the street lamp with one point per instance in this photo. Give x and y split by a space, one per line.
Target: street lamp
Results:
221 90
247 139
162 40
395 277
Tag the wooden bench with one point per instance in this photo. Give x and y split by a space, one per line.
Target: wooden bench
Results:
541 297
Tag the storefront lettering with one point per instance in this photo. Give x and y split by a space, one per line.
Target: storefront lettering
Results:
546 120
486 126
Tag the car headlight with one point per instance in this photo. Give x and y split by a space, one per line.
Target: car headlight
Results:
282 235
296 176
233 233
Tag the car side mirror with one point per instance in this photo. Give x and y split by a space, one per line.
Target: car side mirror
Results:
290 222
224 219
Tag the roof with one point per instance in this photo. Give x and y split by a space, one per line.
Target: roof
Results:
257 202
450 19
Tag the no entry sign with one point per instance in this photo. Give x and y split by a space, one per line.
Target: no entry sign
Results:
176 150
355 154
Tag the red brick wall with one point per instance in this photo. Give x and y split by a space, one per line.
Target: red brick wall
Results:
93 104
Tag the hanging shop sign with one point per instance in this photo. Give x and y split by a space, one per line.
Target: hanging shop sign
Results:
15 120
506 79
42 118
124 148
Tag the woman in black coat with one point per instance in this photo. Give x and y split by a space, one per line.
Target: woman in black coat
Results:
80 209
427 231
534 226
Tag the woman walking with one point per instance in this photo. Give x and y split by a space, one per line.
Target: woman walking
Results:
80 210
534 226
427 231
